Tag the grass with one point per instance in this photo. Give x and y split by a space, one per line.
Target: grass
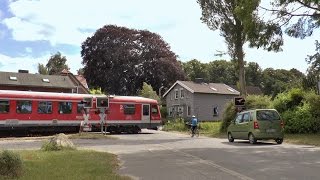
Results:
307 139
77 165
90 135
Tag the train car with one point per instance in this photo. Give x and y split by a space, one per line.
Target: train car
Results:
44 111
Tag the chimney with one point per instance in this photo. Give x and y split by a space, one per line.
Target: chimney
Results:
23 71
199 80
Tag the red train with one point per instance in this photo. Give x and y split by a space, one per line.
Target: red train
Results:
43 111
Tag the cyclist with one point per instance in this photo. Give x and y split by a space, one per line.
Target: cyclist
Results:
194 124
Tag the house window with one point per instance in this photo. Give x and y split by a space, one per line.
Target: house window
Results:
171 96
45 107
24 107
215 111
129 109
188 111
176 93
181 93
4 106
65 107
180 110
171 109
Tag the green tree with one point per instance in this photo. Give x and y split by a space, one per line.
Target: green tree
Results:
42 69
253 74
56 64
195 69
239 23
148 92
96 91
222 71
306 11
119 60
275 81
80 71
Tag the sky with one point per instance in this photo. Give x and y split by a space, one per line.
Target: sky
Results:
33 30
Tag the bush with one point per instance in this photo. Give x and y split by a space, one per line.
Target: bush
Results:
49 146
210 127
164 112
258 102
288 100
228 115
10 164
175 125
299 120
314 101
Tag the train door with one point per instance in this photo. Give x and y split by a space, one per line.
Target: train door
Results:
145 113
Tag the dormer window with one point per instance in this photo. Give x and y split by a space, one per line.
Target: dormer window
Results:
45 80
232 90
212 88
13 78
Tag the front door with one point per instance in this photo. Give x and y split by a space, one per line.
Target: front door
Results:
145 113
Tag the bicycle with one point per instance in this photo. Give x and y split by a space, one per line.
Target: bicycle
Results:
195 133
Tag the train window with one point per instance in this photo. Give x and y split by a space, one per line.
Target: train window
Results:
129 109
45 107
154 109
65 107
4 106
80 107
24 107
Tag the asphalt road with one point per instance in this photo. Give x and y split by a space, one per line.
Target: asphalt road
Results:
163 155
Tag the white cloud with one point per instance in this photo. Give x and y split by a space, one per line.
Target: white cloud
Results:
1 14
13 64
59 21
28 49
178 22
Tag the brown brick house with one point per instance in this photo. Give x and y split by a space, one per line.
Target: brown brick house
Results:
25 81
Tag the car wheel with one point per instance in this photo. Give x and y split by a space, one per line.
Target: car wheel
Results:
252 139
230 138
279 141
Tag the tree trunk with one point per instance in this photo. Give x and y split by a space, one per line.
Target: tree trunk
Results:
240 56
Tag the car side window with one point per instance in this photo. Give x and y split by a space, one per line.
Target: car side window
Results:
238 119
246 117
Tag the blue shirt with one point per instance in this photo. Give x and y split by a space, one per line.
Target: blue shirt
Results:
194 121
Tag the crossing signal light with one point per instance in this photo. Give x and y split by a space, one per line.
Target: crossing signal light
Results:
87 102
102 102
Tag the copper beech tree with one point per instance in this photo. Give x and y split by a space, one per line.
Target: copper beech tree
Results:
119 60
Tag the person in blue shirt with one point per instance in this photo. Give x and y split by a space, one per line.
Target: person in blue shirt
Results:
194 124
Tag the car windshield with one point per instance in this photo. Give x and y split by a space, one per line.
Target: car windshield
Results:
263 115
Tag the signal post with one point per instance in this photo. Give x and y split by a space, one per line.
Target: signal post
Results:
102 106
85 125
102 103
